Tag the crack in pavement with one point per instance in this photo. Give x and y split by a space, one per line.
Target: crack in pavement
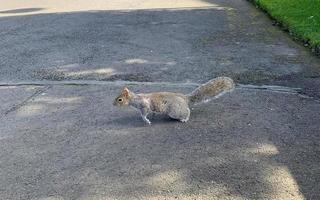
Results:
93 82
24 102
279 89
269 88
273 88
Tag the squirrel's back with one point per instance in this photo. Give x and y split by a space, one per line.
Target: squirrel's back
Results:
162 101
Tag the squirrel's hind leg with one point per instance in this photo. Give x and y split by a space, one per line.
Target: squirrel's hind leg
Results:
180 113
187 118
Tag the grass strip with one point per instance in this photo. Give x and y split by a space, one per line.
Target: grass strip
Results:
301 18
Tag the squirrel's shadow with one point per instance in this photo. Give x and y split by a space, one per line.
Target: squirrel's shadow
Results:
136 120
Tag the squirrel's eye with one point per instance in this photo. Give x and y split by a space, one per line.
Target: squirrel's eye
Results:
120 100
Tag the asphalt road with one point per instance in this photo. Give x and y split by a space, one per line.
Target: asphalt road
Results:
191 41
63 62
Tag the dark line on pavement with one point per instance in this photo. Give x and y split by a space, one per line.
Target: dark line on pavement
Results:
17 106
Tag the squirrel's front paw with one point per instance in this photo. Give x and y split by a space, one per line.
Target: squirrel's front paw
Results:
147 121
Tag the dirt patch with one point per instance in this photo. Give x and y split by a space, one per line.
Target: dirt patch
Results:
139 77
45 74
252 77
55 75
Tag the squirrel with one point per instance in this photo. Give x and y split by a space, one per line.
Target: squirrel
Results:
175 105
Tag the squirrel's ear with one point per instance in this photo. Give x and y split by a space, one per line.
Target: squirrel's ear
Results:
125 91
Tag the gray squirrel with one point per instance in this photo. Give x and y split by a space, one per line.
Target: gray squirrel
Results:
175 105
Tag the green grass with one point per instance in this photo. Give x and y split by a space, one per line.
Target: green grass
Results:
299 17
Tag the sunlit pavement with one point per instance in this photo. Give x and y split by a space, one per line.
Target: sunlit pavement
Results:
63 62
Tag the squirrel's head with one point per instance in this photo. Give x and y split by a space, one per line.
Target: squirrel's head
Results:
123 99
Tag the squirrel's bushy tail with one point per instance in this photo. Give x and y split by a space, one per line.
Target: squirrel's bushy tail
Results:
212 88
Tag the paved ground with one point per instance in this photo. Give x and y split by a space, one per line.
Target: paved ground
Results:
61 141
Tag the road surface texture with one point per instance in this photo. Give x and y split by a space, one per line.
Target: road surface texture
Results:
62 63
